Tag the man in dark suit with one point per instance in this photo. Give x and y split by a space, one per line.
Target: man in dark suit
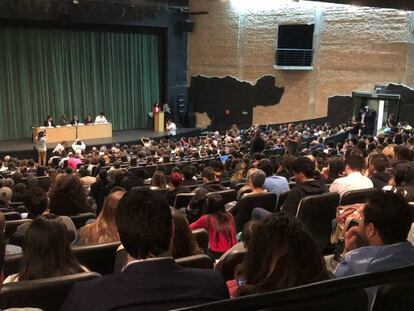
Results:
49 122
151 279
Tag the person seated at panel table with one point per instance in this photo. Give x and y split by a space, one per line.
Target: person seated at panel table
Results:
88 120
101 118
49 122
63 120
75 120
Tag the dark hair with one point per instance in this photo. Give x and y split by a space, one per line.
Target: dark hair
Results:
215 208
266 166
47 251
2 250
189 172
355 162
390 214
288 257
158 179
144 223
304 165
208 173
184 243
379 162
336 167
403 174
36 201
402 153
67 196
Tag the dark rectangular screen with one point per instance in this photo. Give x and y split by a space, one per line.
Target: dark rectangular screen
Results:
295 36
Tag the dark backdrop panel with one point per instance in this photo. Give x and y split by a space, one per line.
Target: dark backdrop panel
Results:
76 72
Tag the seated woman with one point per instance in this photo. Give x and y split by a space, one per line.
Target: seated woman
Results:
103 230
184 243
47 252
289 257
158 180
219 224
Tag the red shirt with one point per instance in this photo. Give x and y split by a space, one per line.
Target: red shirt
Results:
209 222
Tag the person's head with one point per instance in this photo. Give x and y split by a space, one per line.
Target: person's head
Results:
5 194
158 179
41 171
402 153
31 163
214 203
176 179
47 251
354 163
257 179
67 196
189 172
184 243
266 166
379 162
386 219
49 118
20 188
303 169
144 223
403 175
288 256
103 175
36 201
208 174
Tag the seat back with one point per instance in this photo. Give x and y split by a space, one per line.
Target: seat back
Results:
81 219
46 294
395 297
228 263
196 261
316 212
99 258
12 225
12 264
225 183
12 216
182 199
201 236
356 196
243 209
281 200
43 182
227 195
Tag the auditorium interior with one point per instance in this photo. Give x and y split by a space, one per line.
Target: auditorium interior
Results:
277 134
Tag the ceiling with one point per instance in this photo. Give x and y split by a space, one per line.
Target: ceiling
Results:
394 4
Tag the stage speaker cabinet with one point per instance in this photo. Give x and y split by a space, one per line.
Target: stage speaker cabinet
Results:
181 106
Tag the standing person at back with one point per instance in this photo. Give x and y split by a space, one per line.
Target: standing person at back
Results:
354 180
151 280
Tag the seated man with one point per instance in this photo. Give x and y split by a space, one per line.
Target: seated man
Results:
354 180
151 280
380 241
306 184
273 183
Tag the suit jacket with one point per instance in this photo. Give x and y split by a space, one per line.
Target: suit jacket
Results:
46 123
155 284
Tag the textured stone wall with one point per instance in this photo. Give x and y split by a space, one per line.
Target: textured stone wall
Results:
355 48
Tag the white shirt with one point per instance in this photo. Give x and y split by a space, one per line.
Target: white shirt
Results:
79 148
172 129
59 148
41 144
354 181
100 119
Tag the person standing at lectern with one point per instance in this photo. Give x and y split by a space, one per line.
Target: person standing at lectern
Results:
101 118
156 108
49 122
171 128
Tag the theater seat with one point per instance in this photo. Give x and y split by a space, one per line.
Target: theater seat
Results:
99 258
228 263
182 199
81 219
201 236
12 216
12 264
12 225
356 196
316 212
197 261
46 294
227 195
244 207
395 297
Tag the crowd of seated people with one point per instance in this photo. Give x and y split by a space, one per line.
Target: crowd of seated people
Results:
132 191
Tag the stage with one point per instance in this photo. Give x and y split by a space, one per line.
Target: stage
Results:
24 148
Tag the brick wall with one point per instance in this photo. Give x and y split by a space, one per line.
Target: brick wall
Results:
355 48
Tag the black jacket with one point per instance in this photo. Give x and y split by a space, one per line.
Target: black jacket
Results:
158 284
380 179
301 190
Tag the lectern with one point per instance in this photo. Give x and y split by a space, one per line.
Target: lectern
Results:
159 121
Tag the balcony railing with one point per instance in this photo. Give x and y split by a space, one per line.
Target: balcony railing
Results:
294 57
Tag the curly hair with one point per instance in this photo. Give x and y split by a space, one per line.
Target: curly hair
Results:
67 196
